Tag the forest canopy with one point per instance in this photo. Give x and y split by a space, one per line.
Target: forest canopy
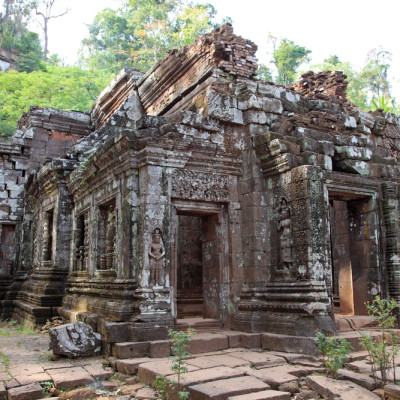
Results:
136 35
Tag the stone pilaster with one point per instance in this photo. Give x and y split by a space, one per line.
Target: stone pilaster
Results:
391 210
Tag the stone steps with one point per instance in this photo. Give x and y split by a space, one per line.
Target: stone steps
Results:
198 324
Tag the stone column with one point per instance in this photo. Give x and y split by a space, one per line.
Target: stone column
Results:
153 255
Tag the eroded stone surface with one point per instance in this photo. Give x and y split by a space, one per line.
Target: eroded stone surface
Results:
332 389
75 340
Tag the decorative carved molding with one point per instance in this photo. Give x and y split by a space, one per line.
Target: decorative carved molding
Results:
195 185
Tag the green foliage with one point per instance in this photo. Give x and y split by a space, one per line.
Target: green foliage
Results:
66 88
16 38
46 386
264 73
180 343
383 103
375 72
5 360
142 31
288 57
334 351
368 88
12 329
382 350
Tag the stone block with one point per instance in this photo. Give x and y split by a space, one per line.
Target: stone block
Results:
250 340
234 339
274 376
114 332
146 394
148 371
34 378
160 348
289 344
70 378
222 389
333 389
263 395
131 349
360 379
259 360
207 375
392 392
79 394
26 392
273 106
98 371
75 340
13 383
3 392
207 342
130 366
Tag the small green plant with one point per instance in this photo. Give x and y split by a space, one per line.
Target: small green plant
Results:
12 328
382 349
46 386
334 351
180 343
5 360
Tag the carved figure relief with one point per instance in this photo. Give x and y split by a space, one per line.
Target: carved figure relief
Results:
81 243
47 236
198 186
107 260
284 227
156 258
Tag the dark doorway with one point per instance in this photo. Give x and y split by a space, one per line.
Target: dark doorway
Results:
354 252
190 267
200 258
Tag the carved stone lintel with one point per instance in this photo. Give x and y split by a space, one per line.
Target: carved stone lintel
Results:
194 185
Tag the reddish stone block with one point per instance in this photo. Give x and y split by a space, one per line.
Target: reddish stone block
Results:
70 378
222 389
160 348
131 349
264 395
3 392
26 392
130 366
98 371
207 342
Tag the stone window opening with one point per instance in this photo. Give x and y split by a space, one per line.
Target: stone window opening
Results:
107 237
48 236
7 240
81 242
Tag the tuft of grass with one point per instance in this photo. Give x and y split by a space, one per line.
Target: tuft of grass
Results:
12 328
5 360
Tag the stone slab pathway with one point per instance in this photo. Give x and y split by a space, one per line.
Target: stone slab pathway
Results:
217 372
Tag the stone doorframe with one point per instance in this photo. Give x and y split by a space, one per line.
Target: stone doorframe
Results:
201 209
374 282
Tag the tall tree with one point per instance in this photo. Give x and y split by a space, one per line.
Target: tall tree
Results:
16 38
141 32
287 58
375 73
44 9
13 17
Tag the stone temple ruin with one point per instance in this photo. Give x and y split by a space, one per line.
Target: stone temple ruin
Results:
196 190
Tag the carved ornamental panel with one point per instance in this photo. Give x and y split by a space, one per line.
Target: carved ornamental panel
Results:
195 185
